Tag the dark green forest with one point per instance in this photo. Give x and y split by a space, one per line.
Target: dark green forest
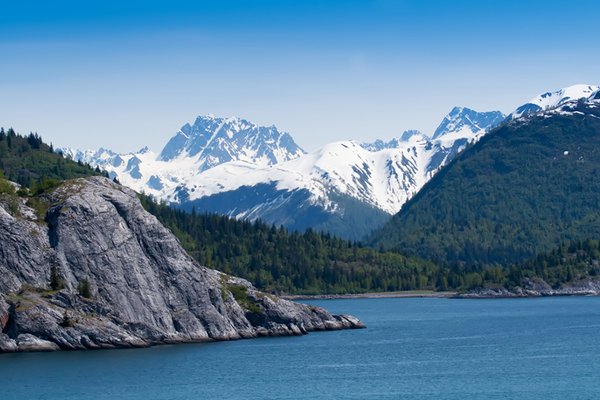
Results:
30 162
311 262
523 189
277 260
280 261
569 262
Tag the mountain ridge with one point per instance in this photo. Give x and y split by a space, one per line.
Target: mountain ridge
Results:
380 175
213 161
461 118
213 141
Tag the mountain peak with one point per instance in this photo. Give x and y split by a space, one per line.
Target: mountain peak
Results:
458 110
550 100
467 122
212 140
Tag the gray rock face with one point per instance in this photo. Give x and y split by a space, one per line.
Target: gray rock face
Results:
145 289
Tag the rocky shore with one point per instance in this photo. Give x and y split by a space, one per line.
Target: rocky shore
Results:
124 280
374 295
536 287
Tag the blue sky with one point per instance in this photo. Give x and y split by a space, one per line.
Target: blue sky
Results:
91 74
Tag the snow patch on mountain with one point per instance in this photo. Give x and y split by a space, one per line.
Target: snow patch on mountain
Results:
377 145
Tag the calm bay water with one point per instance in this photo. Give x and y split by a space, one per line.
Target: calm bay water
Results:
413 349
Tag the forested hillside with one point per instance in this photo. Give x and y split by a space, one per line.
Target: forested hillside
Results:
522 190
568 262
278 260
28 161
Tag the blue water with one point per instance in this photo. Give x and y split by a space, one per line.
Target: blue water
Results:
413 349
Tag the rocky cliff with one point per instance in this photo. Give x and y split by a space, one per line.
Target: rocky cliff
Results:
123 280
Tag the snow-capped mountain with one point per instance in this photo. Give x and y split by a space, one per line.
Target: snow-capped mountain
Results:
207 143
382 179
234 167
211 141
95 157
551 100
463 122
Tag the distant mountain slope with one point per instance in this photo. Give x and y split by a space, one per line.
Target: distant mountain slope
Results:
236 168
394 143
521 190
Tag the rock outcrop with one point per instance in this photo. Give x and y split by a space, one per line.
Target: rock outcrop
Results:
124 280
536 287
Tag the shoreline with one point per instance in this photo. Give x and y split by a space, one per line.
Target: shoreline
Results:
522 294
372 295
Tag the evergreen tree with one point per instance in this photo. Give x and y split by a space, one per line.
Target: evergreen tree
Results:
84 288
57 282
